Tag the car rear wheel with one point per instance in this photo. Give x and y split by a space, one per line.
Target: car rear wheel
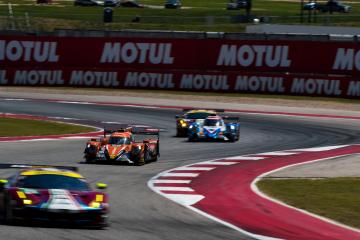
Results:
8 212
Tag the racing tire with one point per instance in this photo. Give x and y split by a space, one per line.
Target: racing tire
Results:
192 139
147 156
8 212
180 132
139 161
89 160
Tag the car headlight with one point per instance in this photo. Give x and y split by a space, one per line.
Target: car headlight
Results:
182 123
232 127
191 126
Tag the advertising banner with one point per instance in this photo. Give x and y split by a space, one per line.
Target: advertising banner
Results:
198 81
115 54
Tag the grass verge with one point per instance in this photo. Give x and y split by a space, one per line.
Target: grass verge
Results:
177 94
200 15
334 198
11 127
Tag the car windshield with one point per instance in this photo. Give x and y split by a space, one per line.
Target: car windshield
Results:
197 115
53 181
212 122
119 140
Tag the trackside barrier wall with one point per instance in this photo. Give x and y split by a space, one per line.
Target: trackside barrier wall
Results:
209 63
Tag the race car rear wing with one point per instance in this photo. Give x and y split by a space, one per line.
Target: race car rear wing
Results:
109 131
146 131
24 166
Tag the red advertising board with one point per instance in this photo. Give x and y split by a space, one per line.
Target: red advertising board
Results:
181 54
234 82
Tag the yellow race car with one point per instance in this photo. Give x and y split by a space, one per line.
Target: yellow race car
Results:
190 116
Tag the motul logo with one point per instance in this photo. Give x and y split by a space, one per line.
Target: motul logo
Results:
254 55
28 51
347 59
154 53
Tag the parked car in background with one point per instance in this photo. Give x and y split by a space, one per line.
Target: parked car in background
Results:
331 6
87 3
238 4
131 3
172 4
111 3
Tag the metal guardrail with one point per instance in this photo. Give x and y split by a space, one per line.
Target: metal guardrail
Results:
10 25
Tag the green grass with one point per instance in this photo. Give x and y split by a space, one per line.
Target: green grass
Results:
334 198
194 16
23 127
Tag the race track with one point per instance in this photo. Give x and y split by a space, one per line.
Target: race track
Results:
136 211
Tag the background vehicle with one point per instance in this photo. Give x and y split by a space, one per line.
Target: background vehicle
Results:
215 128
87 3
192 115
239 4
330 6
52 194
172 4
111 3
131 4
123 145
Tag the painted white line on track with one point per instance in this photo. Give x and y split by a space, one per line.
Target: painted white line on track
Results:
71 102
278 153
185 199
244 158
136 106
112 122
180 189
217 163
195 168
319 149
79 137
14 99
171 181
180 175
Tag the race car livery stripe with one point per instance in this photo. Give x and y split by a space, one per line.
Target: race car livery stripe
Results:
244 208
62 200
41 172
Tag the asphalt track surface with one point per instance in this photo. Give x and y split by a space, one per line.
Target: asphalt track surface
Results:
136 211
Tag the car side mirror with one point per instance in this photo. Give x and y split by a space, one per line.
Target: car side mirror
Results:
3 182
101 185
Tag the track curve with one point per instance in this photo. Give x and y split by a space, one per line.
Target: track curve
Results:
137 212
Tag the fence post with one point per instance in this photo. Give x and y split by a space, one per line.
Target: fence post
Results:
11 17
27 21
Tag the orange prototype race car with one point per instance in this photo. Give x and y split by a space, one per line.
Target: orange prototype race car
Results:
123 146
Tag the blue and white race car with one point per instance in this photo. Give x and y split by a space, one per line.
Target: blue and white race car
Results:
215 128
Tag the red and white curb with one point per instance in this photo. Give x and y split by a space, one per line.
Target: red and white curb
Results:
185 185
